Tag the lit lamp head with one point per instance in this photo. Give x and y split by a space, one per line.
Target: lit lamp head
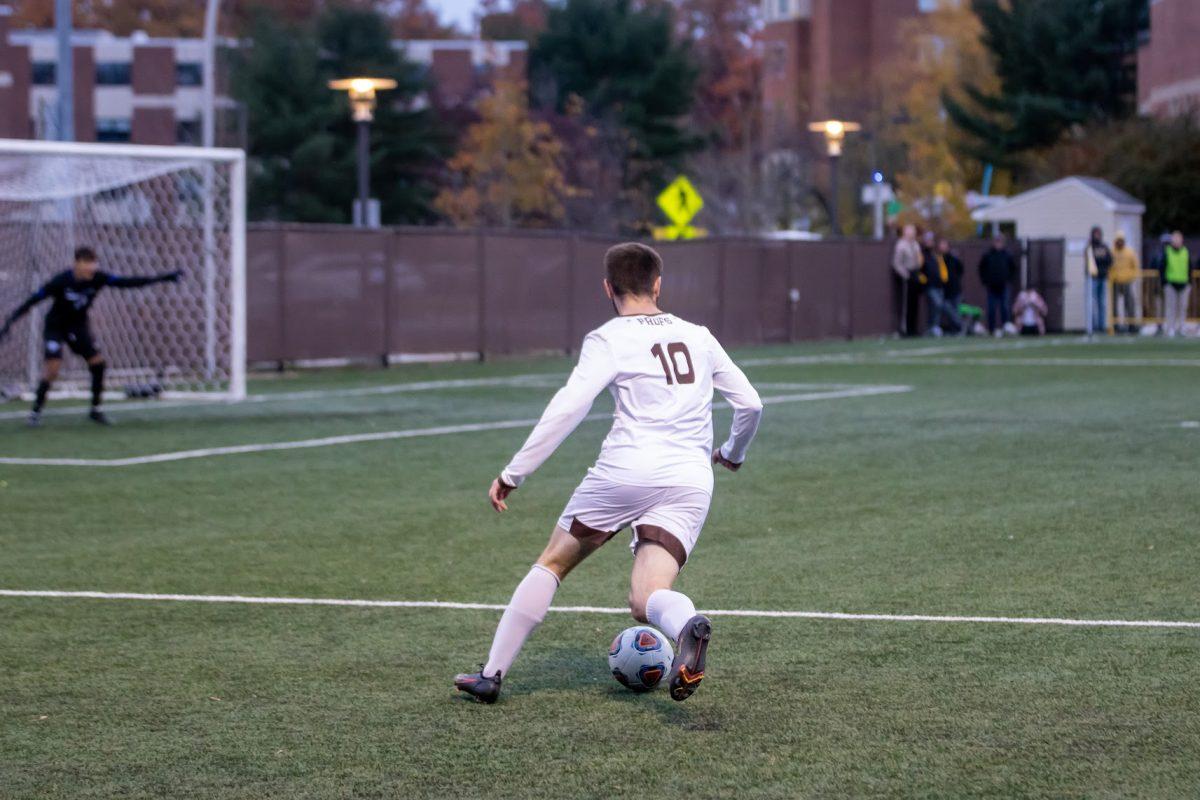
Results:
835 131
362 93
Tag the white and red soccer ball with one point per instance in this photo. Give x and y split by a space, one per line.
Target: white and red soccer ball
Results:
640 657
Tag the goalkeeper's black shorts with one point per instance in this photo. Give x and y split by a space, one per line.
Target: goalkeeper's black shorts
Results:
78 338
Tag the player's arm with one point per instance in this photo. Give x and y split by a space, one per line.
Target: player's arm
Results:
41 294
595 371
734 386
133 282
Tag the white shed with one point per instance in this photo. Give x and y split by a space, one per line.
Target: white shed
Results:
1069 209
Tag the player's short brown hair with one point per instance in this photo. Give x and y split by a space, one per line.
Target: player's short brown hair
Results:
631 269
85 254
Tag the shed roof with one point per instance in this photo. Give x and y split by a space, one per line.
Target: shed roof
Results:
1114 198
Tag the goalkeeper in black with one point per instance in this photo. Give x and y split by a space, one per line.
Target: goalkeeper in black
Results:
73 292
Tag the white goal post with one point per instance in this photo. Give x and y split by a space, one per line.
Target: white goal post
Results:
145 210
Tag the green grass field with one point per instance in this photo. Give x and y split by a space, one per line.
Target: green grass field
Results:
1053 480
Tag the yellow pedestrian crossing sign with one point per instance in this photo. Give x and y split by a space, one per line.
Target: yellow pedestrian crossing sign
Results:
680 201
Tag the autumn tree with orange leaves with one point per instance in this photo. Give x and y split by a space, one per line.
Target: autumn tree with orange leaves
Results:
934 180
508 169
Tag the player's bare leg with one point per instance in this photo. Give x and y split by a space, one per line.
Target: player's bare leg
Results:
49 375
525 612
652 600
96 367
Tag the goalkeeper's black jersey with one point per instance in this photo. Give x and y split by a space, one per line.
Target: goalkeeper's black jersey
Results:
72 298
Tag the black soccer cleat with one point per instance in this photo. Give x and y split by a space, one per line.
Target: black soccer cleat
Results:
34 420
99 417
478 685
687 670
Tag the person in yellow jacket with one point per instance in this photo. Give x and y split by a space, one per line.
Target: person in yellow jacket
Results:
1124 274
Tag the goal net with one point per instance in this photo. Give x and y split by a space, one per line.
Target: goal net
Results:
144 210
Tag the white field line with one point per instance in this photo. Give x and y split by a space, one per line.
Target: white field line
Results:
976 361
908 352
379 436
1050 362
443 604
531 380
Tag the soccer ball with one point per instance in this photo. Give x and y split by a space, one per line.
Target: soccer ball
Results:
640 657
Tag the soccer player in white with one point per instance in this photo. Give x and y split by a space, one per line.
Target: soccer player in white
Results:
654 472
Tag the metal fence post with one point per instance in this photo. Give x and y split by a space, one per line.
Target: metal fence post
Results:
481 270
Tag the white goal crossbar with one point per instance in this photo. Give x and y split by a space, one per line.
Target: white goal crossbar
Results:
145 210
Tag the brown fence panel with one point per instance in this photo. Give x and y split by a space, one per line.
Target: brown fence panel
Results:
774 305
433 292
741 292
264 295
589 307
334 293
872 305
821 271
692 282
525 287
969 252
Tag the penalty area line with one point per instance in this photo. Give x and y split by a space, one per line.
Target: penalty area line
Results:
449 605
381 436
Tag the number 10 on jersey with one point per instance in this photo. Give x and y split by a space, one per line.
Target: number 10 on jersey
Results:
685 372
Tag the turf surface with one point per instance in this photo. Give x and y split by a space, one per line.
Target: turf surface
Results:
1056 480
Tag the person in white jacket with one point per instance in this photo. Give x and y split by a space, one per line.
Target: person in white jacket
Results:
654 472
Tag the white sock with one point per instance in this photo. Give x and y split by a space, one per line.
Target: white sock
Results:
669 611
525 612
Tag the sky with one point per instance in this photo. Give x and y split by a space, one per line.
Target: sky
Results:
460 12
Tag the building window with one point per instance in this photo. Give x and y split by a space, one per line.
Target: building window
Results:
785 7
112 129
189 74
43 73
187 131
112 73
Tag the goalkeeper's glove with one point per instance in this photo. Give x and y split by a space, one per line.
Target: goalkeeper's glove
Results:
173 277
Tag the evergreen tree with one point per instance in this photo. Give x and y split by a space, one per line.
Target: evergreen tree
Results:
1061 63
301 136
632 75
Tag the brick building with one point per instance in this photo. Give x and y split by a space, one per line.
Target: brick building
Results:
1169 62
148 90
822 57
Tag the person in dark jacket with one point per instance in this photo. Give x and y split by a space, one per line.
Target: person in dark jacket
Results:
954 266
996 270
939 279
1098 259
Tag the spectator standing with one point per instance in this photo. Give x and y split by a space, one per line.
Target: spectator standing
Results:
906 266
1030 310
954 266
1176 281
938 276
1126 269
996 270
1098 260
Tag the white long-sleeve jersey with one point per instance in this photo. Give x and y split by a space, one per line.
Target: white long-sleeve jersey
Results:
661 370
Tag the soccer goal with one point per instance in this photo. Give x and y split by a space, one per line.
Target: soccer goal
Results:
144 210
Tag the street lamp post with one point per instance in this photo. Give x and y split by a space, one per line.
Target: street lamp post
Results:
362 93
835 131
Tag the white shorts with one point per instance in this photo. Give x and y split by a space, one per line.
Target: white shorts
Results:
668 516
